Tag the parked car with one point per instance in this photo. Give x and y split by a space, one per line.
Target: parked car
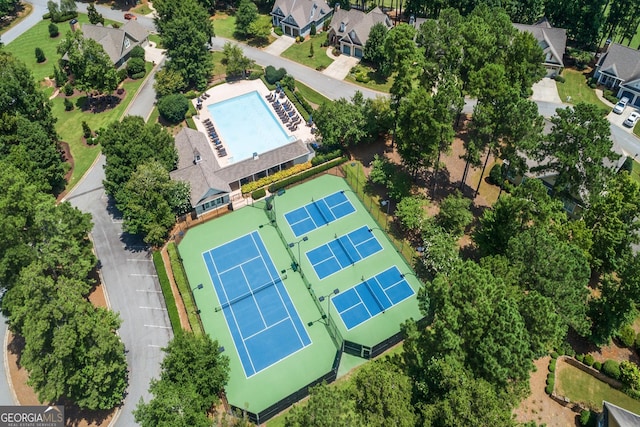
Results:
632 119
129 16
620 106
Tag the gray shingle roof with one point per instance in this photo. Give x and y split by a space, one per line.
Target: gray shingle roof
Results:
621 62
357 24
622 417
551 40
303 11
112 39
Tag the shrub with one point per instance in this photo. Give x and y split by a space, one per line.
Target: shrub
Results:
137 52
251 186
609 96
173 107
272 75
588 360
278 31
551 379
135 66
46 15
593 85
627 336
40 58
86 130
588 418
322 158
549 389
68 105
495 175
313 30
165 285
68 89
288 82
611 368
192 94
637 343
122 74
580 358
59 76
259 194
139 75
306 174
597 365
559 78
53 30
255 74
554 354
552 365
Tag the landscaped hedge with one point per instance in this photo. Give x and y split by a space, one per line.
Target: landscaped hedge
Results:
182 283
254 185
611 368
165 285
272 75
306 174
323 158
259 194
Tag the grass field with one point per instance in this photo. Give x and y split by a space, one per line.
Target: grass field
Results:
376 82
69 126
635 172
582 387
575 87
311 95
299 52
224 25
38 36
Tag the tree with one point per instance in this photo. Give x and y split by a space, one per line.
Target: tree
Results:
259 30
454 215
135 66
382 394
340 123
150 202
378 117
411 213
614 224
173 107
374 47
526 11
246 14
440 253
441 40
192 375
547 329
581 18
557 270
94 16
326 407
578 150
67 6
234 59
524 62
168 82
186 32
89 63
128 144
40 58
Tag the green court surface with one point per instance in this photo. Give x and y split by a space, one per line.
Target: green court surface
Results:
290 374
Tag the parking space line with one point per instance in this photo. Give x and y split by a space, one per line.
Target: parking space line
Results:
153 308
157 326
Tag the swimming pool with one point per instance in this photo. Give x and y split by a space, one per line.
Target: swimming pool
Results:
246 125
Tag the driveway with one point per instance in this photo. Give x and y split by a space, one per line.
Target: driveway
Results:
281 44
131 282
617 119
340 67
546 90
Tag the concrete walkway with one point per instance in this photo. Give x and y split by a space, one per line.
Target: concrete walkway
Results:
341 65
281 44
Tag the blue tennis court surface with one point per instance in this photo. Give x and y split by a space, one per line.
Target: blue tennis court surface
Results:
371 297
343 251
319 213
263 322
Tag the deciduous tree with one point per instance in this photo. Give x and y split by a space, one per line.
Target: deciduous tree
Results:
246 15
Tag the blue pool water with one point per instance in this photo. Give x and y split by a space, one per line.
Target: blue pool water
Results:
246 125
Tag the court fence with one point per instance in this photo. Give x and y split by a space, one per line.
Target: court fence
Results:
294 397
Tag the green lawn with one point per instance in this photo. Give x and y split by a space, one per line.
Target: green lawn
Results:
142 9
156 39
224 25
636 129
311 95
575 87
376 82
38 36
69 126
582 387
635 171
299 52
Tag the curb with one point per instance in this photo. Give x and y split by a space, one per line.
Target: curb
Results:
6 367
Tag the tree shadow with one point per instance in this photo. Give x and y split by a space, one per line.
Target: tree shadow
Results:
98 104
113 211
16 346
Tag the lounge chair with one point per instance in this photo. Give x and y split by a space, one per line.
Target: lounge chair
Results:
293 128
216 141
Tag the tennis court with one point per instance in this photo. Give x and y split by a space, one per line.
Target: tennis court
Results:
344 251
263 321
373 296
318 213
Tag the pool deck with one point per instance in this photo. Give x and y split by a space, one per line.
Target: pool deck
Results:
231 90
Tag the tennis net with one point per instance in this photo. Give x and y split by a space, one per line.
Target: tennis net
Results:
382 308
252 292
324 216
344 248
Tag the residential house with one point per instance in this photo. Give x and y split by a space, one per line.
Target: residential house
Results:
615 416
350 29
213 185
296 17
117 42
553 42
619 69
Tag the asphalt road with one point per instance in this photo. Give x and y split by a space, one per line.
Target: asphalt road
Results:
132 286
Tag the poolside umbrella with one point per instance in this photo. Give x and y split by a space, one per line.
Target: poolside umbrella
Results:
310 122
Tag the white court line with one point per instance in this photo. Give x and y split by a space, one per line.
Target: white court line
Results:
143 275
153 308
144 290
157 326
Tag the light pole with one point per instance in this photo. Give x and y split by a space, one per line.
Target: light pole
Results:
200 286
328 298
291 245
386 203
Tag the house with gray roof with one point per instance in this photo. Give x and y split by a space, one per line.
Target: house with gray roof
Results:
553 42
349 29
117 42
619 69
615 416
214 186
296 17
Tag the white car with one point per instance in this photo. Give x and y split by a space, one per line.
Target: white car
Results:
620 106
632 119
